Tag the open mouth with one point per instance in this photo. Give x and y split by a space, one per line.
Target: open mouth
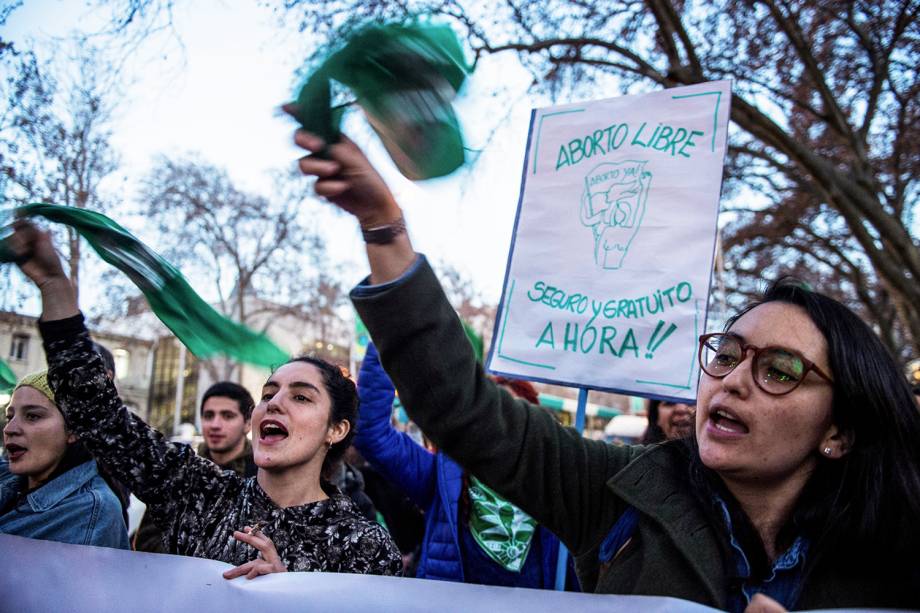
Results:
15 451
271 431
682 427
726 422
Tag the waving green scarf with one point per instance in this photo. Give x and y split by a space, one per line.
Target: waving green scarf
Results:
405 77
194 322
503 531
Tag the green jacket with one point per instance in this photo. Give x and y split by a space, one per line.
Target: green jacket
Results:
574 486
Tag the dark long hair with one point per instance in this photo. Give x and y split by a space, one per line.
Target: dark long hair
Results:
344 404
653 432
865 504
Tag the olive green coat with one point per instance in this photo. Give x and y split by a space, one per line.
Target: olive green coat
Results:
574 486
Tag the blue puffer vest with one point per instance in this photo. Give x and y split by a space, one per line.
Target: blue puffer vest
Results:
440 557
433 481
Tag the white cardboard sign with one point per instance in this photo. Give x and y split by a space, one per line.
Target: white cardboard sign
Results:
608 276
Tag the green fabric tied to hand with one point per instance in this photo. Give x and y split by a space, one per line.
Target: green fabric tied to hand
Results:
405 77
194 322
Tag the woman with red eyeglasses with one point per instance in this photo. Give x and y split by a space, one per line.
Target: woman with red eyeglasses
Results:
799 487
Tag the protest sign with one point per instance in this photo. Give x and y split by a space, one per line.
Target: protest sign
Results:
608 275
41 576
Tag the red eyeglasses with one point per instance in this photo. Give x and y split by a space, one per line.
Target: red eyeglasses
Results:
776 370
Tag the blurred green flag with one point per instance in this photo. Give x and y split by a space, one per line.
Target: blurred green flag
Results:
194 322
7 377
405 77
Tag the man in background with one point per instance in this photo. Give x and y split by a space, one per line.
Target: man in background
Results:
226 412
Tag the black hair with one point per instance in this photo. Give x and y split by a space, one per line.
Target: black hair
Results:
916 390
865 504
228 389
107 358
343 405
653 432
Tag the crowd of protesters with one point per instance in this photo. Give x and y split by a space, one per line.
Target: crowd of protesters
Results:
285 518
793 482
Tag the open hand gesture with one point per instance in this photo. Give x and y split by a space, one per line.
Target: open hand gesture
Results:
268 560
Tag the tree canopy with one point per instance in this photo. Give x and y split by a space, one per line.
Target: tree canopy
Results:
825 108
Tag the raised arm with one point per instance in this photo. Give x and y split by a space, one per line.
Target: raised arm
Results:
398 458
349 181
156 470
521 451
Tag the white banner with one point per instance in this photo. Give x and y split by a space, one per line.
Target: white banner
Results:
608 277
43 576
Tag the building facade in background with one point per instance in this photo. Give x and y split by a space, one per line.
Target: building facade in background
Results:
21 348
162 382
177 379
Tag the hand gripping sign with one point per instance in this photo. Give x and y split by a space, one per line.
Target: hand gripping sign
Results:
608 275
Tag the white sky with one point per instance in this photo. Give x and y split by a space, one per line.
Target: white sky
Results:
217 93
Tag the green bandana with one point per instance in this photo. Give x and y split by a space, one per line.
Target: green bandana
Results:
405 77
503 531
198 326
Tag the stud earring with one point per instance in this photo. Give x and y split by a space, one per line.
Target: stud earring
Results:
827 451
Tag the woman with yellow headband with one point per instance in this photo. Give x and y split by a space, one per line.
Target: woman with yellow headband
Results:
50 486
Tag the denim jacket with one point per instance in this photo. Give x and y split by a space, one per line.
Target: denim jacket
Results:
76 507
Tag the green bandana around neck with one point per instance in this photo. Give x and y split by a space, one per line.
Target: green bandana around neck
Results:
503 531
405 77
194 322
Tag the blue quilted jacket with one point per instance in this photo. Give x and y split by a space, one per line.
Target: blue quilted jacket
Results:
432 481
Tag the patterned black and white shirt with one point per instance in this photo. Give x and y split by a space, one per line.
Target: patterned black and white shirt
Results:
198 505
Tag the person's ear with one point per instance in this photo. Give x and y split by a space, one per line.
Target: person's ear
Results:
247 426
836 442
71 438
338 431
